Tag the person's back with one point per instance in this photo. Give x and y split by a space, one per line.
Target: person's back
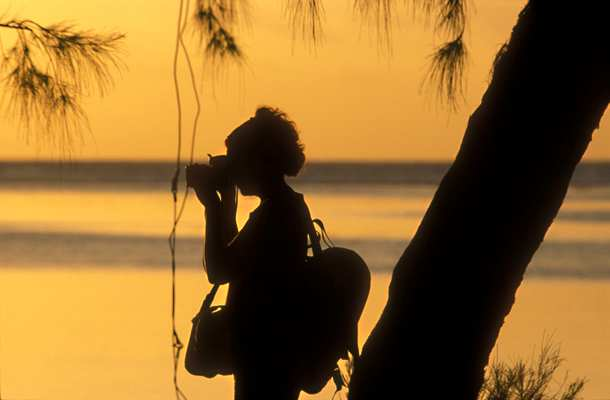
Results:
277 230
264 321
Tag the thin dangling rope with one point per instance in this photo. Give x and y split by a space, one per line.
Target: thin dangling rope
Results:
0 360
177 344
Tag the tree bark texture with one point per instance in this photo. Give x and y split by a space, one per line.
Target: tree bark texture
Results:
456 281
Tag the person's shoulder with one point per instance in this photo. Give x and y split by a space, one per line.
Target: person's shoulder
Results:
288 206
293 200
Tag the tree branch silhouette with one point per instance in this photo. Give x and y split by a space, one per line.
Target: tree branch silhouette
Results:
446 72
47 72
531 379
306 16
216 21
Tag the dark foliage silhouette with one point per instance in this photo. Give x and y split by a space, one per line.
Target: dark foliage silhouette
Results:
534 379
47 72
217 22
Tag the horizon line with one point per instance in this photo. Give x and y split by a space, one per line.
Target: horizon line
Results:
314 161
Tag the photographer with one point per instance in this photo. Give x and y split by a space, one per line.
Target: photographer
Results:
258 260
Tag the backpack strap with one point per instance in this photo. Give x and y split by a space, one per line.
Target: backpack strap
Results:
314 238
323 235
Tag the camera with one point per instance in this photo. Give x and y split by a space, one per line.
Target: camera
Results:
214 175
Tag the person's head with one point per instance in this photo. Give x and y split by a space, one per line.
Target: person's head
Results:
263 150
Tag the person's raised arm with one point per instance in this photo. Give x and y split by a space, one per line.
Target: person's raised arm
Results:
228 210
221 228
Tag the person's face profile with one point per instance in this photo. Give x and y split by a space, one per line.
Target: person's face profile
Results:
244 172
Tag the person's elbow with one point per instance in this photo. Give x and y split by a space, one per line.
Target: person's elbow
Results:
216 275
217 279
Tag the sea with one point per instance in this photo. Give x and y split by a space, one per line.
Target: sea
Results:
85 278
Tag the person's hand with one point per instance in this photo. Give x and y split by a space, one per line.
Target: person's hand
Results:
209 198
228 199
227 190
197 177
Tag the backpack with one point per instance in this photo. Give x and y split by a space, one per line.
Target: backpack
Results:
334 284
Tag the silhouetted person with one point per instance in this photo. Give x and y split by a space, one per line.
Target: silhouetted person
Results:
258 260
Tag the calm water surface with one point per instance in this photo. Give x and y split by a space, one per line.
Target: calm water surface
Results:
84 285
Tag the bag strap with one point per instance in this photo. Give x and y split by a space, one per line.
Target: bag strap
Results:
314 238
209 298
323 235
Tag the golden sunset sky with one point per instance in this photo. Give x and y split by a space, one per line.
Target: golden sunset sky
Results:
351 98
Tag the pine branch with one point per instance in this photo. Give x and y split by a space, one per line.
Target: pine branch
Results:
47 72
216 20
446 71
448 63
381 13
530 380
306 16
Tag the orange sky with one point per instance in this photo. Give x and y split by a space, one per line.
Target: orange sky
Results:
350 100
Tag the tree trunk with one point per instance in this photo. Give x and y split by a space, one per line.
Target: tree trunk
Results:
456 281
